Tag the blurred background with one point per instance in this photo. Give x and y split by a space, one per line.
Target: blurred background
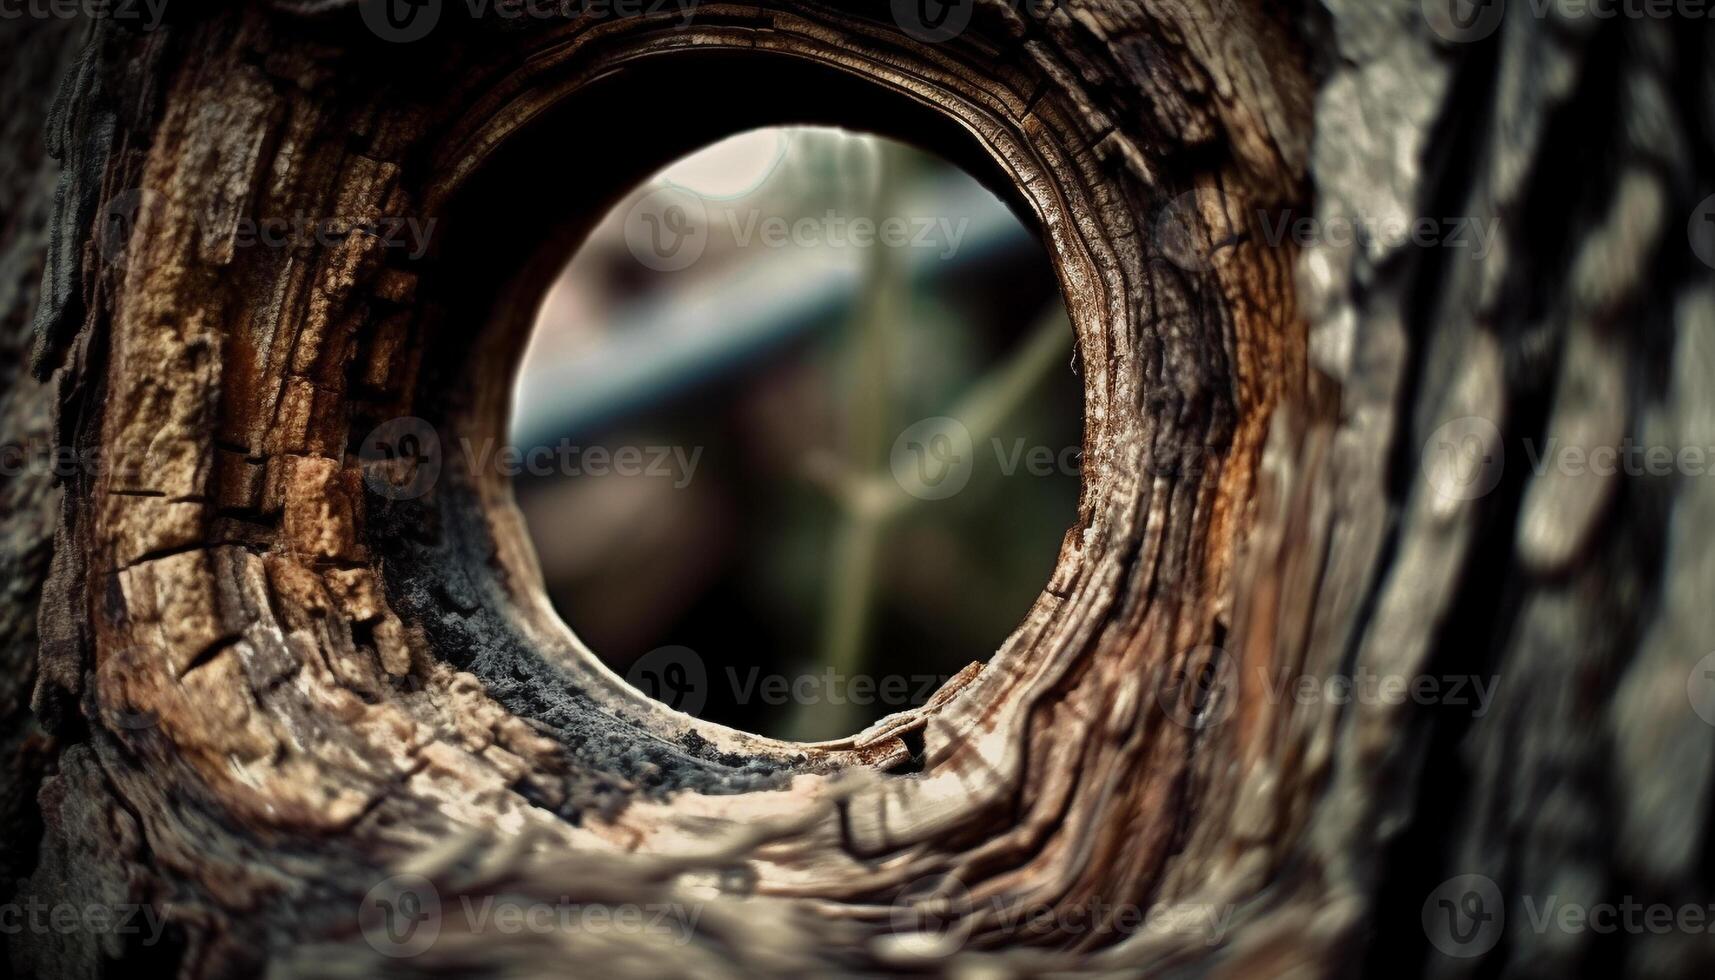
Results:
731 377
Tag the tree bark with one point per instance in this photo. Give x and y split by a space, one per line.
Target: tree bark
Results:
270 676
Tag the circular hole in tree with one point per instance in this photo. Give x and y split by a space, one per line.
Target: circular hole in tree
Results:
799 431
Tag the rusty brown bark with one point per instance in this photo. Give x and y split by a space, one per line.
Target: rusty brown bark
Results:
256 684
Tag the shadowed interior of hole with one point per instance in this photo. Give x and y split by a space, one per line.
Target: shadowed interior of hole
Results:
801 407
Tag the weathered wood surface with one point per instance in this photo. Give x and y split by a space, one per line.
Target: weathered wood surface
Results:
261 687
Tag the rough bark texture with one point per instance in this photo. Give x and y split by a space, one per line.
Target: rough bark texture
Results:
257 684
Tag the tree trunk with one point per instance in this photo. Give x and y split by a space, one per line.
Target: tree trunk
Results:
1334 673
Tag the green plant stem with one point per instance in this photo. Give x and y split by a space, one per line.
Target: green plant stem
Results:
868 500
